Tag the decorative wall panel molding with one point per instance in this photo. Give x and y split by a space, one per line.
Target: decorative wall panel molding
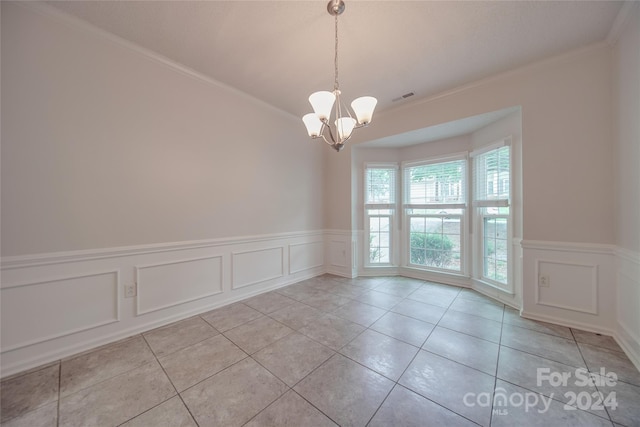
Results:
173 283
305 256
562 292
249 268
43 310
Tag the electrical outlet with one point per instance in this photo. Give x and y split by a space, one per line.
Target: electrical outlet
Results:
130 290
544 281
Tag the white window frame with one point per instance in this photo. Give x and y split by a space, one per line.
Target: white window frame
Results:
478 207
380 206
464 222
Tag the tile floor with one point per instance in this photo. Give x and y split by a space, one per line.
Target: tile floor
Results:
327 351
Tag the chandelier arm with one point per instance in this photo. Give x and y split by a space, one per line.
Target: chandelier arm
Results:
328 127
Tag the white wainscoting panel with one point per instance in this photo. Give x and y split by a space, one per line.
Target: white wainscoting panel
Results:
34 312
56 305
338 253
628 303
564 274
256 266
341 253
582 286
305 256
172 283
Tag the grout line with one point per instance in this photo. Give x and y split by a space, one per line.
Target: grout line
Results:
59 392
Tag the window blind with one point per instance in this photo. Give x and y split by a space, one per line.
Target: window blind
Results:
492 177
380 186
440 184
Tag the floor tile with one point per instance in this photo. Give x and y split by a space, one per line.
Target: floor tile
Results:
233 396
344 390
611 361
535 373
93 367
44 416
404 328
421 311
597 340
200 361
477 308
479 327
368 282
433 298
179 335
268 302
332 331
230 316
628 410
257 334
349 291
447 383
297 315
25 393
399 289
536 410
118 399
476 296
512 317
170 413
299 292
293 357
544 345
291 410
358 312
470 351
326 302
381 353
406 408
404 279
441 288
379 299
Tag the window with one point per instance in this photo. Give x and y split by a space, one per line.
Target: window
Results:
491 202
435 206
379 207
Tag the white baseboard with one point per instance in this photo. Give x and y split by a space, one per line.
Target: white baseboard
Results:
630 345
567 322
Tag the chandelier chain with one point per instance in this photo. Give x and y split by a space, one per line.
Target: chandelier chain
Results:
335 59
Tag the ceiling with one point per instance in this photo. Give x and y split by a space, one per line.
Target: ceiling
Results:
441 131
282 51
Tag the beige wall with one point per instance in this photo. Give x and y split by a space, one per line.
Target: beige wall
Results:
566 142
627 133
105 147
626 59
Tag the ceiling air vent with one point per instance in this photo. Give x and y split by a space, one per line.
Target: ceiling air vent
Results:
405 96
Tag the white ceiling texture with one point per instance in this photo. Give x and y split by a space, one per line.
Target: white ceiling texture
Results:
282 51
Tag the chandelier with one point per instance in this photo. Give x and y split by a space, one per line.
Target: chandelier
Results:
320 122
